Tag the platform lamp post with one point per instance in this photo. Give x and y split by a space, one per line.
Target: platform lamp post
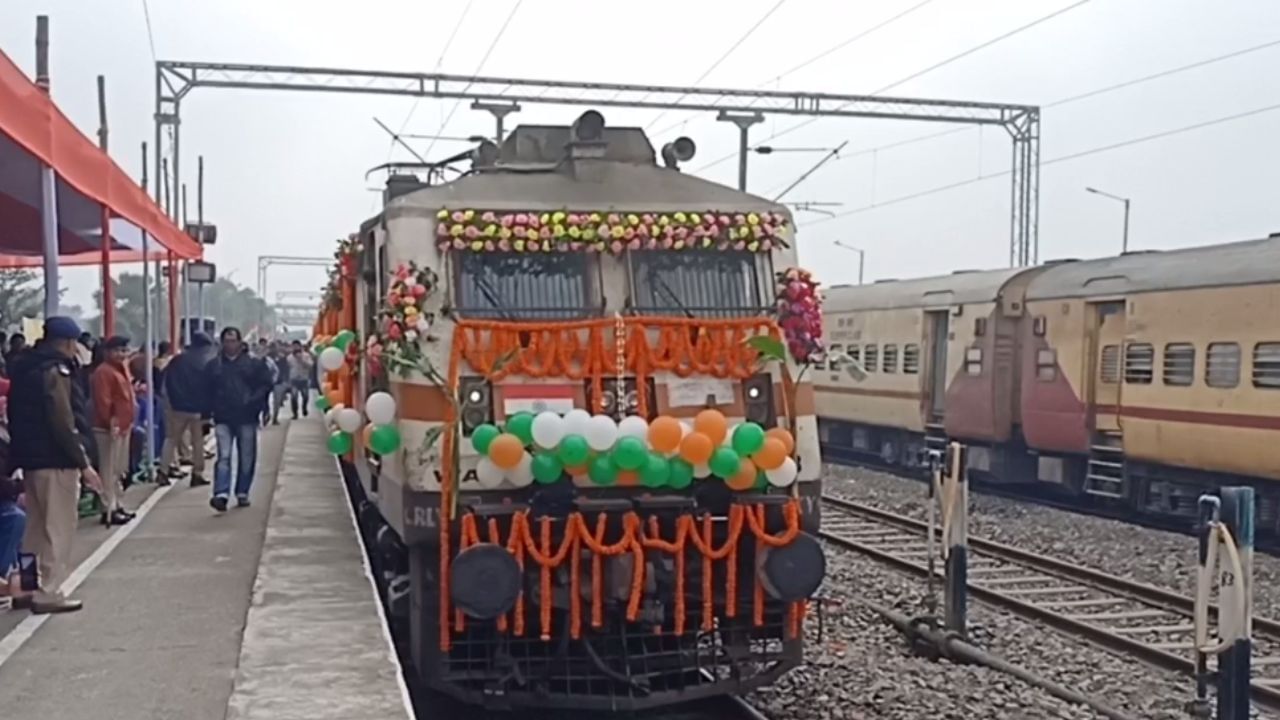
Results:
1124 245
862 256
201 273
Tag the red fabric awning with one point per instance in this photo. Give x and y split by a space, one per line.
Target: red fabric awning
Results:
34 132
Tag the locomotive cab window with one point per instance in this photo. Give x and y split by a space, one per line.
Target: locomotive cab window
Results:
890 359
1179 364
870 355
524 286
1222 365
911 359
1266 365
1139 363
696 283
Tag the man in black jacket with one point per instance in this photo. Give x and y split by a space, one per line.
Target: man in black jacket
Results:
189 400
238 386
45 444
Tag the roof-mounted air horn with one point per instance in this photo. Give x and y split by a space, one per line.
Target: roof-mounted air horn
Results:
682 149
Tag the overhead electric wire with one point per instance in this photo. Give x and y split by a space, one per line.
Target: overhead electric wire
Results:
725 55
151 38
838 46
916 75
1070 99
1052 161
439 63
480 67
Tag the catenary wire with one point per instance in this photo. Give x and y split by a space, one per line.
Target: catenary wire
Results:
151 38
439 63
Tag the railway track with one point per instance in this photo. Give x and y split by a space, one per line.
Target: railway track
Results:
1131 618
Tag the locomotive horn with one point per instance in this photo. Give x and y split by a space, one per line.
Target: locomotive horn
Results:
682 149
589 127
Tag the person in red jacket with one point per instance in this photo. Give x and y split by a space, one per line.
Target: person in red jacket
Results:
113 408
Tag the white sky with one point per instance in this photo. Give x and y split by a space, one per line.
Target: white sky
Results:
285 171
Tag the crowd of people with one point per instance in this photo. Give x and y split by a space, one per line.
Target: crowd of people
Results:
76 409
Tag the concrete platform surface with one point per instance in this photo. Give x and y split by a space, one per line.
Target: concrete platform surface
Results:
183 622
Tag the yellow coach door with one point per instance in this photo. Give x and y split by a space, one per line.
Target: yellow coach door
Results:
1106 375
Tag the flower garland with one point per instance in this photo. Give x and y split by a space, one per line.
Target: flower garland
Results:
344 267
800 314
404 321
611 232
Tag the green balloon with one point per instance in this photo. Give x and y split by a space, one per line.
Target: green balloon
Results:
629 453
655 472
340 443
574 450
546 468
322 403
762 482
343 339
724 462
384 439
748 438
602 471
521 425
681 473
483 435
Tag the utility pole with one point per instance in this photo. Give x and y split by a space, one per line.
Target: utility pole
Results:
744 121
862 256
48 184
108 293
1124 242
200 222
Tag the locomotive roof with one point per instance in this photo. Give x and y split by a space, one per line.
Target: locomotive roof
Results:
1238 263
940 291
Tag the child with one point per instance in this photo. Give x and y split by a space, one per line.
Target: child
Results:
13 522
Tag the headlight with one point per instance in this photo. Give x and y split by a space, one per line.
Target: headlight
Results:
757 395
476 396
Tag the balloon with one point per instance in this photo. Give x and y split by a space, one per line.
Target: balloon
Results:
522 474
628 478
331 417
712 424
784 436
762 482
633 426
348 420
724 462
489 475
745 477
364 434
574 450
577 470
629 453
665 434
381 408
322 403
339 443
602 433
343 339
576 422
546 468
506 451
701 471
771 454
332 358
655 472
547 430
747 438
385 439
602 471
521 425
784 475
696 448
334 398
482 436
681 474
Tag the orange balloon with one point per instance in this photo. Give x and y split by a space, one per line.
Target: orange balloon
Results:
576 470
745 478
788 442
334 397
364 434
696 448
628 478
506 450
665 433
713 424
771 454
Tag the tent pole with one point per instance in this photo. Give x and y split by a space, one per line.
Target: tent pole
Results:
173 302
108 301
147 322
48 183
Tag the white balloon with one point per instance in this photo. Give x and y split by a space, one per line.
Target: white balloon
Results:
701 471
548 429
522 474
728 437
602 433
331 416
332 358
576 422
634 426
381 408
489 476
783 475
348 420
685 429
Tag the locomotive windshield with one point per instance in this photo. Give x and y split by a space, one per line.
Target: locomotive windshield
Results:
523 286
696 283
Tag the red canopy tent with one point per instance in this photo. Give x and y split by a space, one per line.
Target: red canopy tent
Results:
95 199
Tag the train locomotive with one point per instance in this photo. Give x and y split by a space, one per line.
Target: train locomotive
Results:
572 278
1135 382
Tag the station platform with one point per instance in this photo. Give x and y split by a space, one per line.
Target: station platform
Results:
262 612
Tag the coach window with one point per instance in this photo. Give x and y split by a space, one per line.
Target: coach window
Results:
869 357
973 361
1222 365
890 359
1266 365
833 356
911 359
1110 364
1046 364
1139 363
855 354
1179 364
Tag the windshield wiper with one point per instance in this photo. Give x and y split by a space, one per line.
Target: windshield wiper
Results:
491 294
656 279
